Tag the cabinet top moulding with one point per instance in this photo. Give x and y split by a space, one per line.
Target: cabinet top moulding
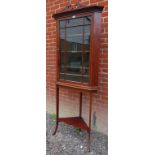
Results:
80 10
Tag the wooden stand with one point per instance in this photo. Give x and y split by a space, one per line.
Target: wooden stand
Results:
75 121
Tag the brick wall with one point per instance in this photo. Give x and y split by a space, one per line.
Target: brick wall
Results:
69 99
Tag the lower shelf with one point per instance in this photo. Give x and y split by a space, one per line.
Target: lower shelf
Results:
77 122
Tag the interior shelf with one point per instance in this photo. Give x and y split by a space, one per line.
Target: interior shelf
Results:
77 122
75 51
74 35
75 25
74 67
74 74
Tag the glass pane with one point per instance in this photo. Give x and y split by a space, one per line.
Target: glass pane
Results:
74 62
87 38
62 63
73 70
87 43
62 53
87 29
87 20
62 23
62 76
74 31
62 39
62 33
74 44
86 52
62 45
73 22
74 53
72 77
74 39
85 79
86 63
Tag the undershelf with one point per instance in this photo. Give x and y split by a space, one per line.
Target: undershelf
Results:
77 122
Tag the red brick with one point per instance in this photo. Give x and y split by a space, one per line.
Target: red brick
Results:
94 1
85 3
105 19
69 96
62 5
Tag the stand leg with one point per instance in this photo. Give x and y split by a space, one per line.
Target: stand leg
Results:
80 108
57 109
90 112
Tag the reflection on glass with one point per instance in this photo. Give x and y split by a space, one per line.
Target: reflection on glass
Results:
87 38
62 23
74 22
62 33
86 62
74 62
86 51
87 20
74 31
74 39
85 79
71 77
62 39
62 76
62 63
87 29
73 44
74 54
62 56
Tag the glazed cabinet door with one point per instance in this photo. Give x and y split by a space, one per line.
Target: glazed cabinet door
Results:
74 42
